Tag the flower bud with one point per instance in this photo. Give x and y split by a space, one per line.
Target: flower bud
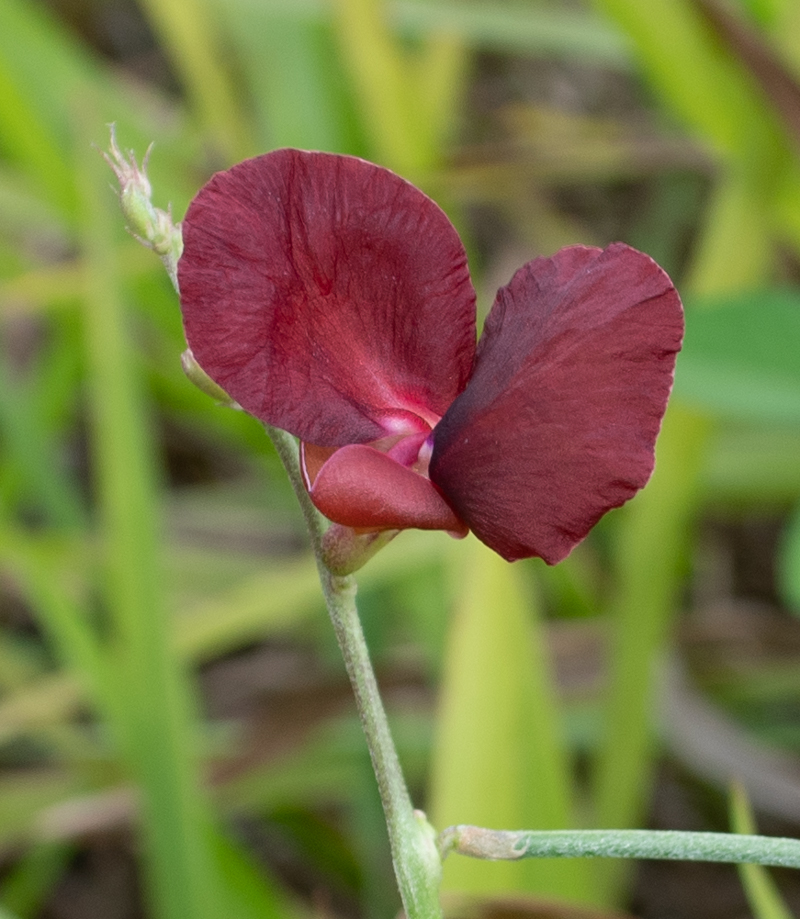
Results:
152 226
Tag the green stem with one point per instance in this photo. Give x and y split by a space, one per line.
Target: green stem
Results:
416 860
674 845
286 448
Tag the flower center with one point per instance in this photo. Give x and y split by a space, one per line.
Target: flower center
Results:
410 450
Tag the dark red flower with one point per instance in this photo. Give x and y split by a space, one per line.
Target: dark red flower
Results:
331 298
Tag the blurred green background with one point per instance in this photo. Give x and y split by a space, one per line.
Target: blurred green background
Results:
176 733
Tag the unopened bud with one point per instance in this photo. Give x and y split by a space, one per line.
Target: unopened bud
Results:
152 226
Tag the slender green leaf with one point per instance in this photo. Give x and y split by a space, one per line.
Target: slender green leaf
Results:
190 37
29 445
441 75
740 359
753 466
43 582
762 893
783 21
766 12
789 562
652 541
252 608
31 144
534 28
326 770
695 75
44 60
154 703
25 214
53 287
294 75
713 93
499 759
736 241
43 71
30 881
381 71
261 603
254 895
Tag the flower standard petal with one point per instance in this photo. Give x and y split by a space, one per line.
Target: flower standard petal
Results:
559 421
327 296
363 488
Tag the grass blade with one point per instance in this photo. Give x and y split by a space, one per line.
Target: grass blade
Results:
381 73
27 885
499 759
154 700
187 33
652 542
295 77
762 893
789 563
693 74
31 449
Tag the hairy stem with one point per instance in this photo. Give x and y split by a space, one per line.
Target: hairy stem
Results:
416 860
674 845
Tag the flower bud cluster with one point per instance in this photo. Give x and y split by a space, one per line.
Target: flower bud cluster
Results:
152 226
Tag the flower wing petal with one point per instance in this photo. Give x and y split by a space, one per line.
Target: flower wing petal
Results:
327 296
363 488
559 421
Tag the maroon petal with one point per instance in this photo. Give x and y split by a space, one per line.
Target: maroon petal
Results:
559 421
327 296
363 488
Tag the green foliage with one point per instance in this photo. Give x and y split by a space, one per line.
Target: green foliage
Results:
497 695
762 892
790 562
740 359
